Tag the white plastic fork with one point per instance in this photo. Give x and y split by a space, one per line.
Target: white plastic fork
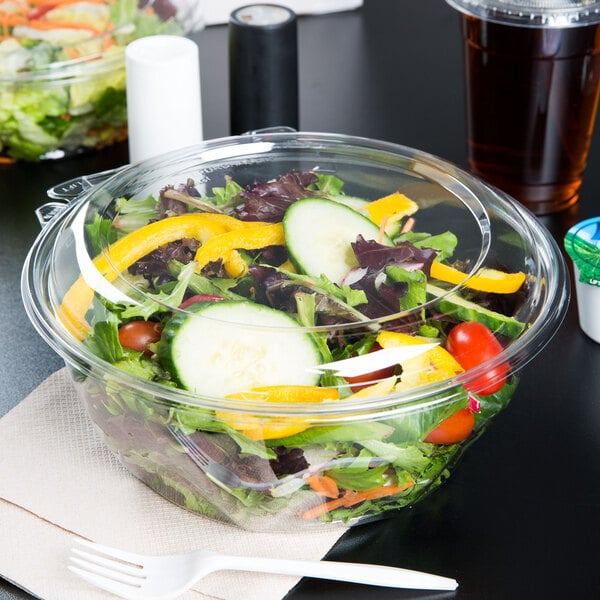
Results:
135 576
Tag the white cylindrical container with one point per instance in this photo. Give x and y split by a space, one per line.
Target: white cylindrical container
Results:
164 107
582 243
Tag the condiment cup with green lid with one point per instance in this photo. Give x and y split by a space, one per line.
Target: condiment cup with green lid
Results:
582 243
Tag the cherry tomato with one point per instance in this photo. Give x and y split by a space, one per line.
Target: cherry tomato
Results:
454 429
472 344
136 335
358 382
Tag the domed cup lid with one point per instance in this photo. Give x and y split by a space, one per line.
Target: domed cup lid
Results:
532 13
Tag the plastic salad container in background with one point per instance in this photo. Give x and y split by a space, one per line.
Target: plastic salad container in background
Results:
582 243
62 70
294 329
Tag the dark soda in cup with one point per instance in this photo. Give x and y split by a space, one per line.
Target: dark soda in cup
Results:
532 85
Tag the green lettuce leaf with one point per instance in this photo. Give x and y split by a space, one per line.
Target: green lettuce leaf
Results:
354 432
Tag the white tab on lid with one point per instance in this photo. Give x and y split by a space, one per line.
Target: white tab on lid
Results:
373 361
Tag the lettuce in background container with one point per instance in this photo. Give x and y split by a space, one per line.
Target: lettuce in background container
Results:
62 70
582 243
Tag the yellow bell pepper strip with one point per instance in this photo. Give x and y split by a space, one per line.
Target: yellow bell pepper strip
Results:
390 209
130 248
485 280
234 264
247 238
288 265
434 365
381 388
232 223
266 428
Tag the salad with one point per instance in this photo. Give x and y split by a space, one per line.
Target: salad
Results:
292 294
62 71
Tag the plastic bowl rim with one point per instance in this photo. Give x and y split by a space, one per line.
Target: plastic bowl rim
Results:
525 348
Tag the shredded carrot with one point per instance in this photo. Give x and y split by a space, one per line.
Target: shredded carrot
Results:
10 20
323 485
56 3
386 490
32 12
6 160
326 507
107 43
72 53
410 223
45 25
352 497
381 235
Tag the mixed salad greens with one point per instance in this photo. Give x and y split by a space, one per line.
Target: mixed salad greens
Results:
265 294
62 71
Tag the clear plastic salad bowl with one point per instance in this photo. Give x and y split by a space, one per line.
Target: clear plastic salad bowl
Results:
293 329
62 70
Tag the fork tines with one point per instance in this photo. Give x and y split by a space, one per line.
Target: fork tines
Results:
106 568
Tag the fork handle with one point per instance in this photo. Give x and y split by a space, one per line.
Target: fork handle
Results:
341 571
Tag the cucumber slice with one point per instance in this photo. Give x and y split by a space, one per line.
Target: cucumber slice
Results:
318 234
351 201
225 347
464 310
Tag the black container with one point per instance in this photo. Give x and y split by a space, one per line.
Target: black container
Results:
263 68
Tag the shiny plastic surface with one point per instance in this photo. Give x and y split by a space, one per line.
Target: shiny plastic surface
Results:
532 13
254 460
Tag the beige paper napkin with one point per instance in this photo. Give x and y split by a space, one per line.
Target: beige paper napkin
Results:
57 480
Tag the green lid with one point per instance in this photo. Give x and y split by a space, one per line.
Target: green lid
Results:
582 243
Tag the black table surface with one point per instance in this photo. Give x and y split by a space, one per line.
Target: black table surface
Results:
520 517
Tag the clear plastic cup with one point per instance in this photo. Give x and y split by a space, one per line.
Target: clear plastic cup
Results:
532 74
582 243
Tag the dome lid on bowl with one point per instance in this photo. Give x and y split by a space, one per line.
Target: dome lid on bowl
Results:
309 249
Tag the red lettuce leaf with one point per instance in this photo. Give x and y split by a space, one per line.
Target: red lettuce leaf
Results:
370 253
268 201
383 295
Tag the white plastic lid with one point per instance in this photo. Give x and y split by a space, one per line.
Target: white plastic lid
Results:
532 13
